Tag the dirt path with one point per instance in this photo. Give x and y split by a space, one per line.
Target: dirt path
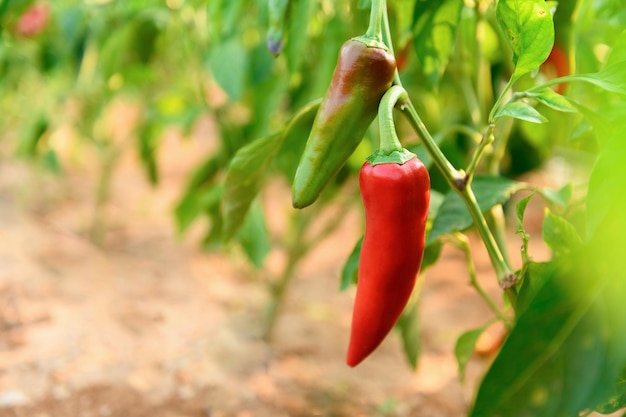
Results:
151 326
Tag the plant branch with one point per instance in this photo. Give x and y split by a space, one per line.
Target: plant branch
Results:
458 182
461 242
388 41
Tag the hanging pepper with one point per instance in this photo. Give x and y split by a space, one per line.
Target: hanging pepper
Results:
364 71
395 189
276 31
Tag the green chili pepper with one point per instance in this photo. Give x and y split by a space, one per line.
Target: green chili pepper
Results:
364 72
275 33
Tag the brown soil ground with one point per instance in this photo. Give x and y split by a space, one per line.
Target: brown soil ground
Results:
150 325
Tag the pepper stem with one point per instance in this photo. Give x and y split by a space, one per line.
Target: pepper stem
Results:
389 141
375 28
390 150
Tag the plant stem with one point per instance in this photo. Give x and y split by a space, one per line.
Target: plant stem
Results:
452 175
462 243
499 101
487 139
388 42
377 14
109 158
389 141
458 182
296 248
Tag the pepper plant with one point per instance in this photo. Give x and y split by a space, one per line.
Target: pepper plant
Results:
479 91
566 346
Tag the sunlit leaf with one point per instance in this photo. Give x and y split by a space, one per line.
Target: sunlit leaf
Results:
527 26
567 347
618 400
520 110
560 197
611 79
559 234
554 100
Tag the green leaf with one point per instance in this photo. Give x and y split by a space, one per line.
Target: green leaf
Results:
567 348
201 185
534 279
606 201
527 26
254 237
520 209
453 215
617 401
464 348
32 135
251 164
149 137
229 63
554 100
559 234
612 79
408 325
350 270
300 14
245 177
618 52
520 110
195 203
432 252
51 161
560 197
434 29
295 136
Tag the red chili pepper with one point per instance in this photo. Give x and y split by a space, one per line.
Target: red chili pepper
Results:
396 198
34 20
556 65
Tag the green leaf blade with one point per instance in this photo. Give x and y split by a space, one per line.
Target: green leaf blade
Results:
254 237
464 348
453 215
612 79
408 325
559 234
434 27
244 179
522 111
528 27
554 100
520 210
350 270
